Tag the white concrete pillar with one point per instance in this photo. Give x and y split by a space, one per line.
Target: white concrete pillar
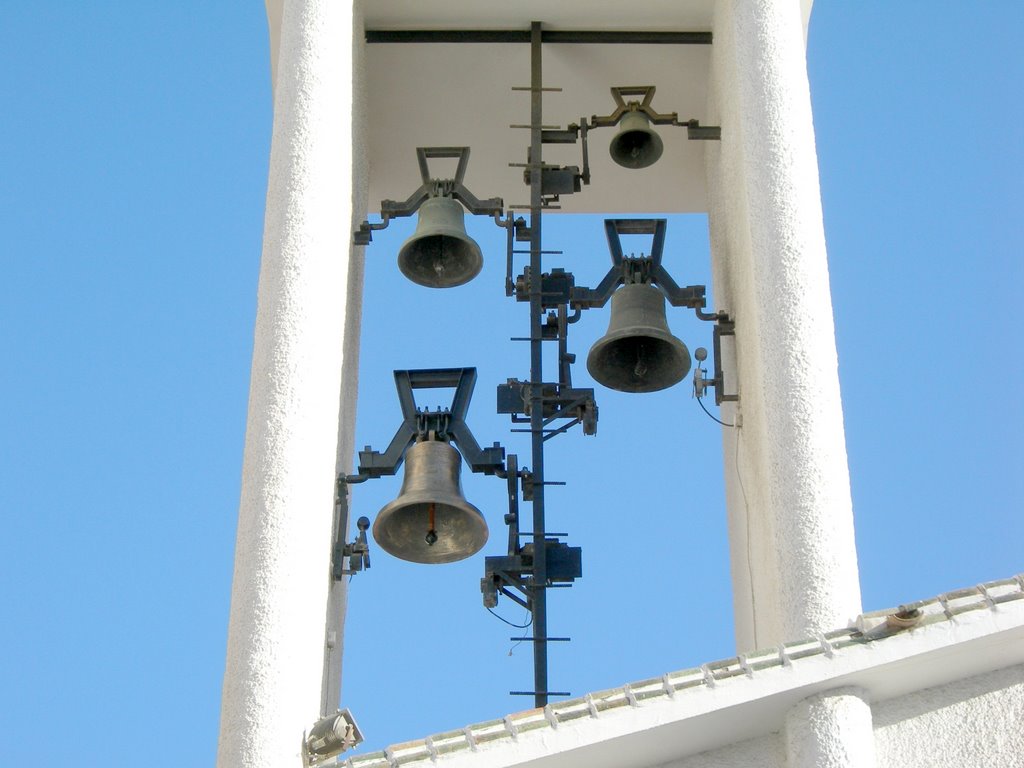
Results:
302 353
831 730
337 602
787 480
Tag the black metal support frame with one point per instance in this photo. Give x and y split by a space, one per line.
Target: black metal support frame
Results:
529 570
538 592
643 269
546 36
448 424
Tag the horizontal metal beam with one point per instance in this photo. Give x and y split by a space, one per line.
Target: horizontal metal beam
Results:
547 36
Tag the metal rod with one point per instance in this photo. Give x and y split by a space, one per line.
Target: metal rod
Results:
547 36
540 576
557 431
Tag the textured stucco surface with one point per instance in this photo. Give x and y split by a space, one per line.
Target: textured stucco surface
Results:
831 730
787 479
273 677
764 752
338 600
973 723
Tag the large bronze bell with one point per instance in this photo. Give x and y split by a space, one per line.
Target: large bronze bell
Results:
440 254
636 145
431 521
638 353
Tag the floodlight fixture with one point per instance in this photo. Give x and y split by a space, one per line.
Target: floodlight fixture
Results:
330 736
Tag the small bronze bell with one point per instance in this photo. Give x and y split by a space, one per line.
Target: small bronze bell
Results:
636 145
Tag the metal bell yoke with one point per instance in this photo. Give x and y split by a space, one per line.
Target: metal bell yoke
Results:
439 254
430 521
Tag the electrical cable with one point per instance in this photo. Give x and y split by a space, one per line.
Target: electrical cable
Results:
710 415
746 521
511 624
517 643
517 626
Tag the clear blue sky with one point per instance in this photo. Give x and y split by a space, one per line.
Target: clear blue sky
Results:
133 156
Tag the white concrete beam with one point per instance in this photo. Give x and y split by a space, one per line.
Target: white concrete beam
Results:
307 318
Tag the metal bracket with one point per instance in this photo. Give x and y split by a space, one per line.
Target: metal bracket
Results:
556 287
559 402
638 269
515 571
453 188
724 326
357 553
555 180
447 424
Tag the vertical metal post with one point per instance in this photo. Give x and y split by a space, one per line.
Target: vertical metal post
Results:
540 617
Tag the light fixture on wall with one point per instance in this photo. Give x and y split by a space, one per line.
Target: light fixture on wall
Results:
439 254
330 736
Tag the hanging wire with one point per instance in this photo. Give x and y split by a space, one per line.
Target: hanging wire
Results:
517 626
511 624
517 643
710 415
746 522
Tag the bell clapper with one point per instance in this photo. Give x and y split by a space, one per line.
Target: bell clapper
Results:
431 537
641 366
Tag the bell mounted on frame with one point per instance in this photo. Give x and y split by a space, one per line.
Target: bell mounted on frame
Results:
439 254
430 521
639 353
637 144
